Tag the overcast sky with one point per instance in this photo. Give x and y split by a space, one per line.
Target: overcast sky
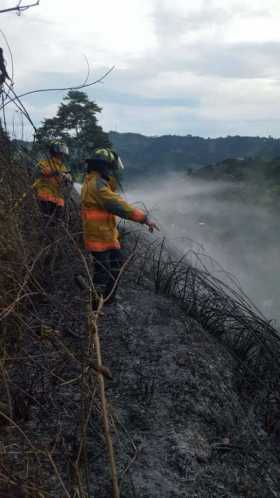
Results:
210 69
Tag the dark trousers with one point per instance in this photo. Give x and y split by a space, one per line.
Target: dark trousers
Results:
107 266
52 213
50 210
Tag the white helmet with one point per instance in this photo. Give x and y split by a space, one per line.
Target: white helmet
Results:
57 147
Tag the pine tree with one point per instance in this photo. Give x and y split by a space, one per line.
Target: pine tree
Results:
76 124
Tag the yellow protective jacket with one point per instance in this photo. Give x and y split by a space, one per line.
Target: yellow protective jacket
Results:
100 206
48 185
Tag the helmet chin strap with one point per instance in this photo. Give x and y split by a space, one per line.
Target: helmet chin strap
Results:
106 172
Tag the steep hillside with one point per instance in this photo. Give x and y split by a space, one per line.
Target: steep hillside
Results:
192 385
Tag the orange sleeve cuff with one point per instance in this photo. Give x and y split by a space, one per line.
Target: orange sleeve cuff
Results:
138 215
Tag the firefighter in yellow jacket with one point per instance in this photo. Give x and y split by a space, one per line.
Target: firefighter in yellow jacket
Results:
52 174
100 206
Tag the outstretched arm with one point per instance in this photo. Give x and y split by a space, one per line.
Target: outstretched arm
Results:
115 204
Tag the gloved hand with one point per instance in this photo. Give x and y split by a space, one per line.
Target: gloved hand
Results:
151 224
67 177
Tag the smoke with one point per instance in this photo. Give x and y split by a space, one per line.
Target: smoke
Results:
226 230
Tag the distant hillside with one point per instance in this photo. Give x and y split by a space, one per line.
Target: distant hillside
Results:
223 157
250 169
258 178
153 155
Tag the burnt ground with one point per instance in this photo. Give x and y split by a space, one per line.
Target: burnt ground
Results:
181 428
174 393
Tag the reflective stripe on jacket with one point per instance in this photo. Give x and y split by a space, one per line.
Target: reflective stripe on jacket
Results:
49 182
100 206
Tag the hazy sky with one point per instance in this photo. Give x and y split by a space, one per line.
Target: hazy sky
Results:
211 68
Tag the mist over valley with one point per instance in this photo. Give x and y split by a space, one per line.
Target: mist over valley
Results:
237 241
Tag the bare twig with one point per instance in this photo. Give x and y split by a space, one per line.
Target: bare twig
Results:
94 332
64 89
20 8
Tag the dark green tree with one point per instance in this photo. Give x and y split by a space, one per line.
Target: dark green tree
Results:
75 123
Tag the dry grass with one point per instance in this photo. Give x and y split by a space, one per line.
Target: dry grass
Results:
17 254
48 384
224 311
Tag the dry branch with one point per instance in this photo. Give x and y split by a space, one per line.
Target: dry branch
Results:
94 331
20 8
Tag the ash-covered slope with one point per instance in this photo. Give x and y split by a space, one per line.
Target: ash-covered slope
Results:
184 430
181 425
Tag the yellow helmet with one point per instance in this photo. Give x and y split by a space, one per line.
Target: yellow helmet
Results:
110 157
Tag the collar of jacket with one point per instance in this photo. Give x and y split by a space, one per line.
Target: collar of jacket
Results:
93 174
112 182
96 174
55 163
55 160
